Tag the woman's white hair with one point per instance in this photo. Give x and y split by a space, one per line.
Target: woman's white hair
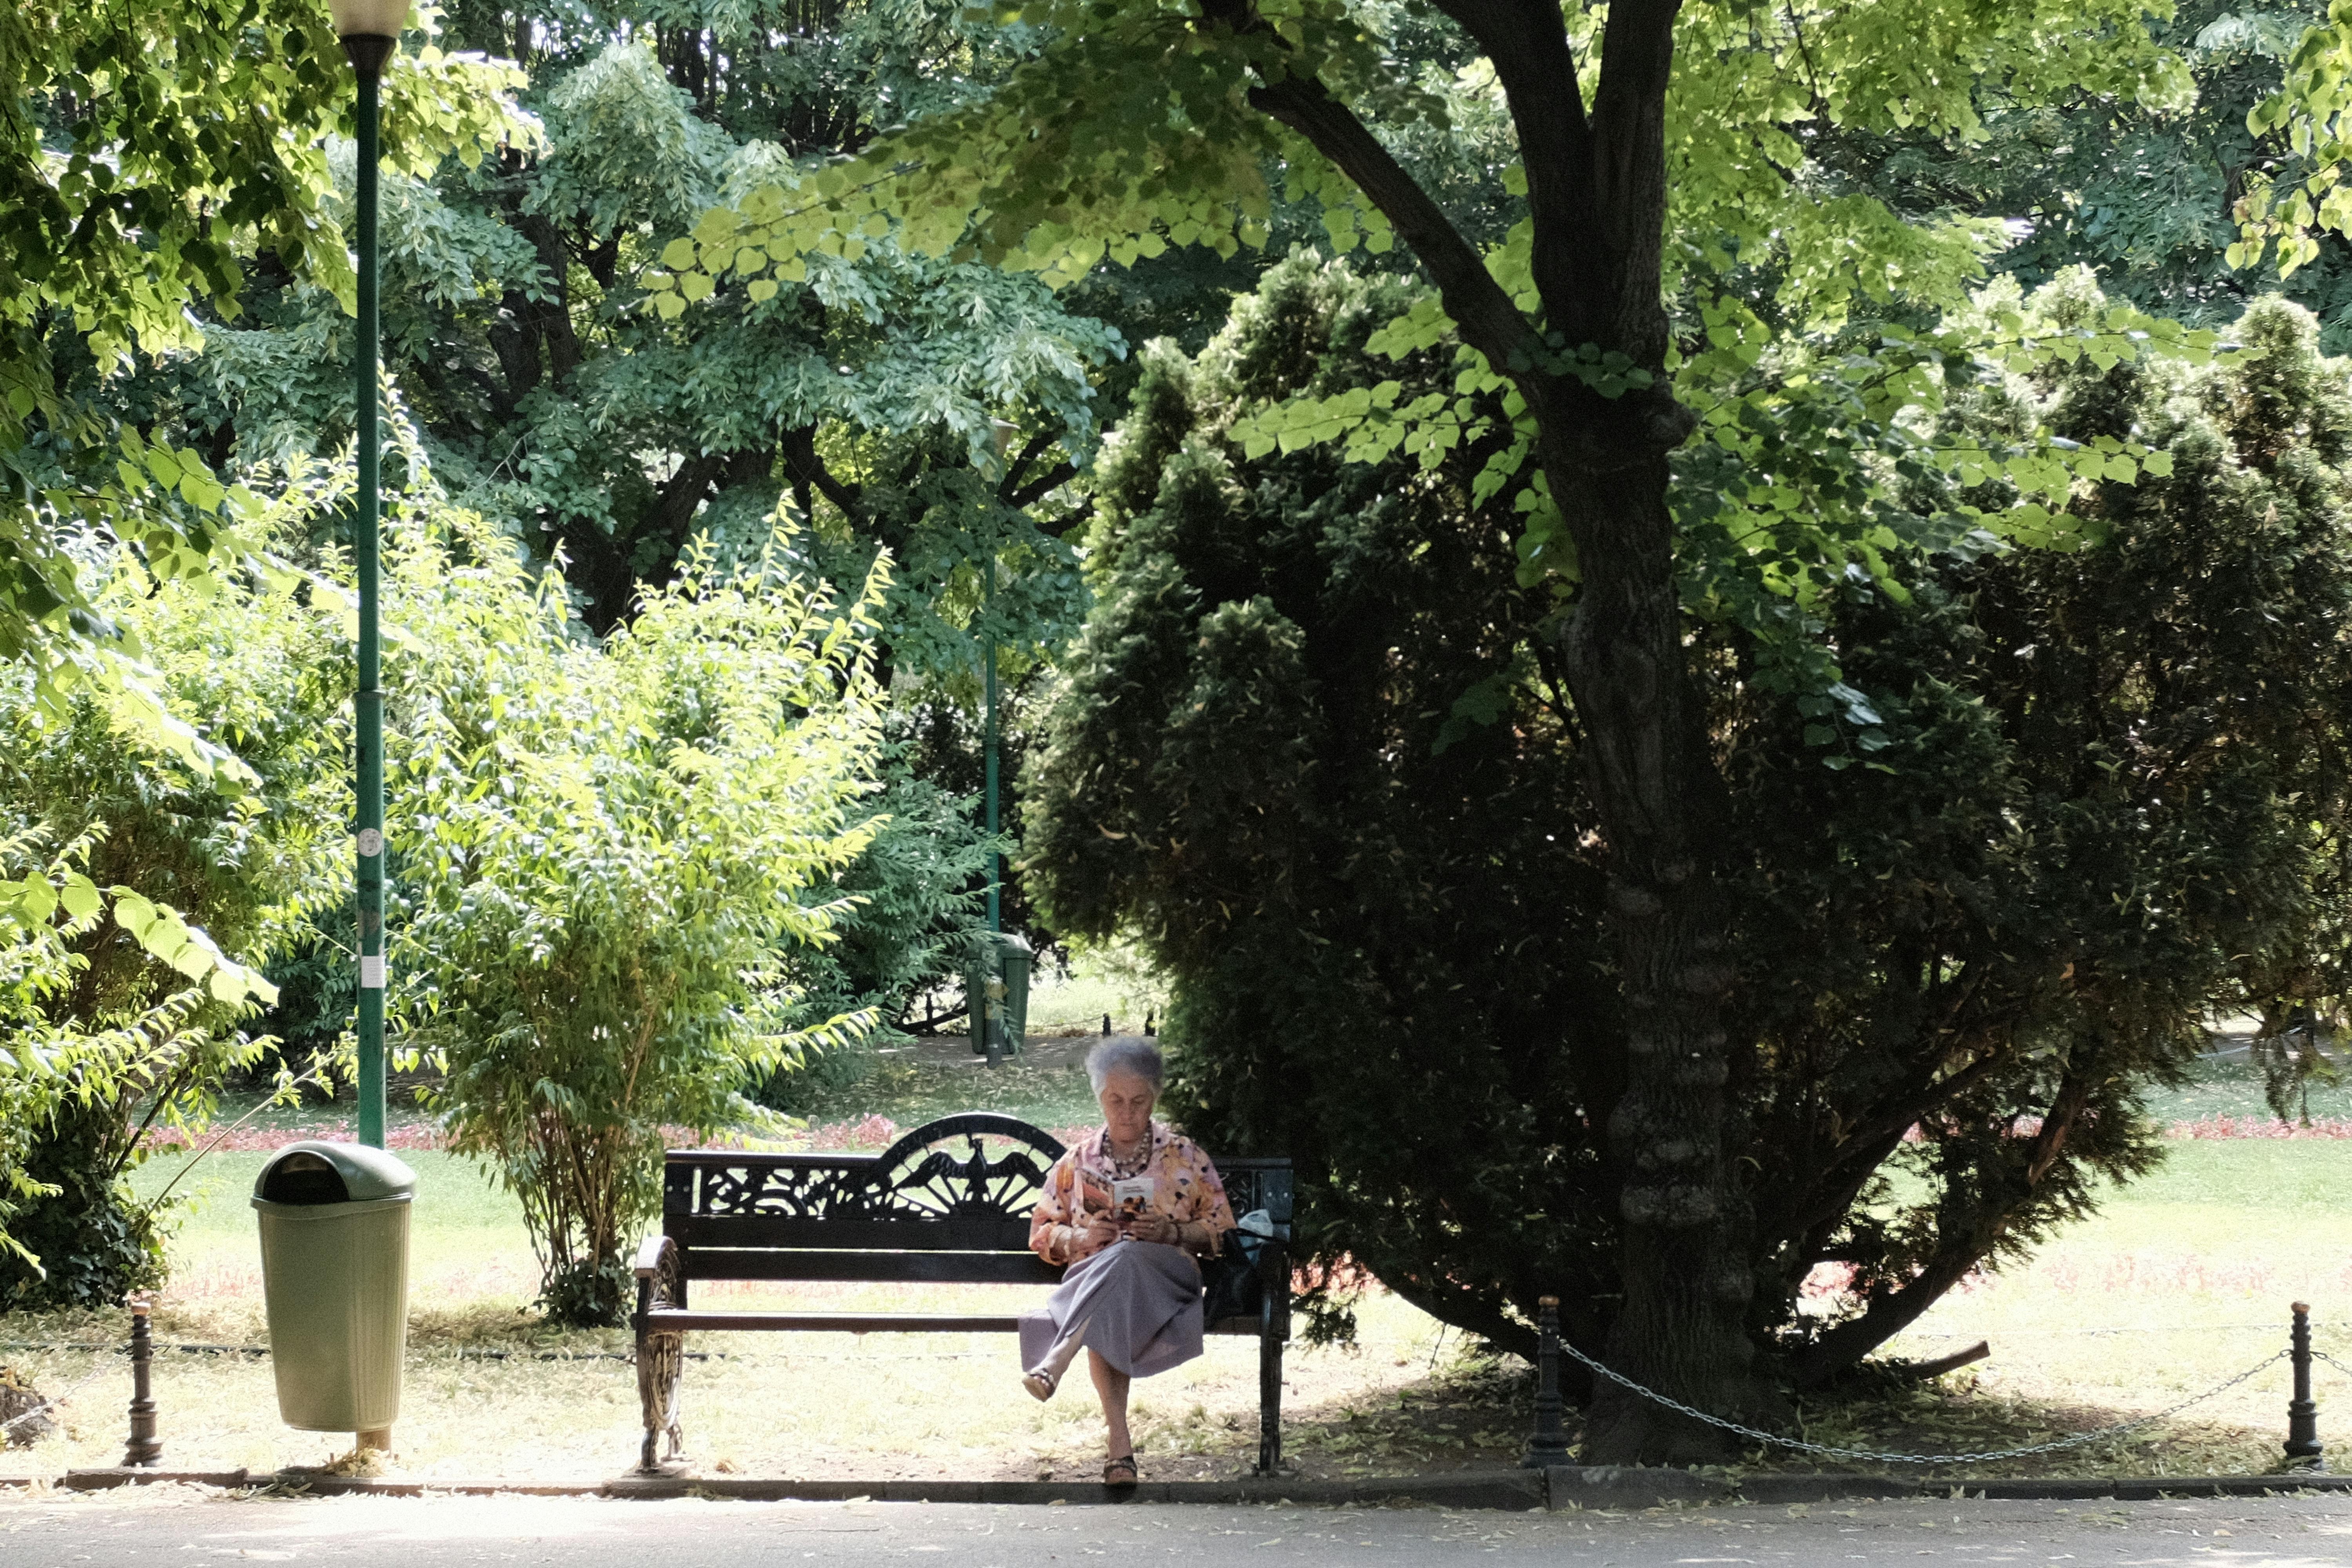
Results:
1125 1056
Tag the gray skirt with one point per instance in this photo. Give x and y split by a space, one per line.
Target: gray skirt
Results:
1135 1303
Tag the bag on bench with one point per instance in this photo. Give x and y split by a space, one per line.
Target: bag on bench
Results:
1232 1283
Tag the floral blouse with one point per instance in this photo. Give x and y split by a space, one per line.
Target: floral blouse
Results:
1184 1186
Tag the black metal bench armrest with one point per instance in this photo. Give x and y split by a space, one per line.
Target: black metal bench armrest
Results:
649 1254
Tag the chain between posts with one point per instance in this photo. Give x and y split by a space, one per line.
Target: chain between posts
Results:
53 1401
1874 1456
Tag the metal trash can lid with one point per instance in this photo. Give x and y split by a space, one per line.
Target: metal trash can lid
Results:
1013 942
316 1172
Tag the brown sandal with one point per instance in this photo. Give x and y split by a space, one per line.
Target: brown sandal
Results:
1121 1472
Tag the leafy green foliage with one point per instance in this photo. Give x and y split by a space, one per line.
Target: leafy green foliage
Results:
2173 204
910 908
1793 484
548 399
865 395
1378 919
145 154
1314 758
1805 424
132 948
2114 808
2314 109
916 887
606 852
1164 148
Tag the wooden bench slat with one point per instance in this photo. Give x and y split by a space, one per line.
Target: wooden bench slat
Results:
670 1320
849 1235
667 1319
929 1267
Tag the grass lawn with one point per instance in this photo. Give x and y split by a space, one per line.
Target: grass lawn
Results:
2178 1282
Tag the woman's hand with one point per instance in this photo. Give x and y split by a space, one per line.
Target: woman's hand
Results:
1153 1227
1097 1237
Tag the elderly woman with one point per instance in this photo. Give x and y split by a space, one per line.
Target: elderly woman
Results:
1128 1210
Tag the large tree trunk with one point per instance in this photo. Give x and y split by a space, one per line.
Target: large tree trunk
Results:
1596 198
1686 1277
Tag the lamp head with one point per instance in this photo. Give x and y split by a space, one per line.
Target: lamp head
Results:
370 30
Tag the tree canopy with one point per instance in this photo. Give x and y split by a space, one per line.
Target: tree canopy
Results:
1662 155
149 157
1319 757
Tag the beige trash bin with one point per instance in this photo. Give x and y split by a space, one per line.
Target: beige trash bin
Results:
334 1274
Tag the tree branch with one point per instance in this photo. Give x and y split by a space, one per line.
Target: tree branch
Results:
1031 451
1866 1147
1489 322
1527 45
1890 1314
801 461
1042 485
1628 170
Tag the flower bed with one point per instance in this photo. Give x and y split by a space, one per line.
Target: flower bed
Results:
2262 1126
868 1134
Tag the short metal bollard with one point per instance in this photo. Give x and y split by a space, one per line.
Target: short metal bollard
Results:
1549 1445
2302 1448
145 1450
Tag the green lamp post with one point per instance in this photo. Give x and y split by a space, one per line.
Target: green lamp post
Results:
987 988
999 441
370 30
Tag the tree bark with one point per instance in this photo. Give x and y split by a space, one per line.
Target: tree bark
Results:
535 339
1685 1272
1598 200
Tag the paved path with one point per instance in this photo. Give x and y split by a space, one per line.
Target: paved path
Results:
169 1527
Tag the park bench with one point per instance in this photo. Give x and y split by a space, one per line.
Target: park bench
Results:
950 1202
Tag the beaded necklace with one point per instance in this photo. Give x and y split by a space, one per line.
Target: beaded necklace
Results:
1125 1168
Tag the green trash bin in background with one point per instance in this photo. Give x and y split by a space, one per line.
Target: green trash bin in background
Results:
334 1275
1007 998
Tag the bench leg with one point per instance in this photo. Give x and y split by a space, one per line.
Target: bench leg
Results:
661 1358
1269 1391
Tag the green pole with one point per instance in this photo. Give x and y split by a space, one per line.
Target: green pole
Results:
1001 434
369 702
988 744
985 1018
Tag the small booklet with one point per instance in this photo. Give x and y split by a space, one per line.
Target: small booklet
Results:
1131 1196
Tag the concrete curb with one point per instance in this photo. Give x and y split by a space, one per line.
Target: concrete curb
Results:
115 1476
318 1483
1566 1487
1515 1489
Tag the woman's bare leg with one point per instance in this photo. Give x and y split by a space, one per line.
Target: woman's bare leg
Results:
1110 1387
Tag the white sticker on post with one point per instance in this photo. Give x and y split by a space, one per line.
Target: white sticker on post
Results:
371 971
370 841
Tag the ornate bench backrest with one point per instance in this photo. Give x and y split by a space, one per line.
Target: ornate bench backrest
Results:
950 1201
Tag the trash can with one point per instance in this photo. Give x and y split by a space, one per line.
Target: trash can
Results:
1007 998
334 1276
